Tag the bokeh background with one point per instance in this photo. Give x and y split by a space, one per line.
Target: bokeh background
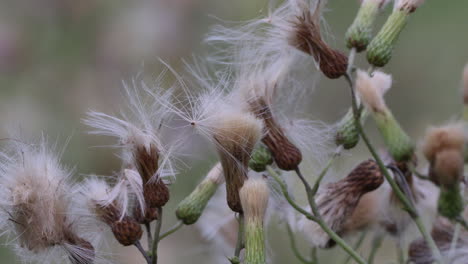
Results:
60 58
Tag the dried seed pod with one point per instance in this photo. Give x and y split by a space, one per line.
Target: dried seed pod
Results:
236 135
156 193
127 231
108 213
337 201
149 216
307 38
286 155
146 161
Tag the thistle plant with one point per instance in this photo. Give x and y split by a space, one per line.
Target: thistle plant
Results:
246 104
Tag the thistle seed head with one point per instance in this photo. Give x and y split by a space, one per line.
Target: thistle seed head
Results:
307 38
150 214
286 155
446 137
373 88
156 193
447 170
127 231
254 197
236 136
337 202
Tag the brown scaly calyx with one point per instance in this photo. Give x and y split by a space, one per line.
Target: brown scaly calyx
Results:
156 193
127 231
286 155
149 216
307 38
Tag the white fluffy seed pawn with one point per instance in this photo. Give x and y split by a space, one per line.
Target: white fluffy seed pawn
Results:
37 208
372 89
444 148
236 135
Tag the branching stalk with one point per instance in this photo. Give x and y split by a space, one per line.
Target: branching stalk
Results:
157 231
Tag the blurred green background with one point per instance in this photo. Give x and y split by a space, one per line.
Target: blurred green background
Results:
60 58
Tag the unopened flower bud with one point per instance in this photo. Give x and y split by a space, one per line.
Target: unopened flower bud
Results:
286 155
371 90
379 51
359 34
450 203
127 231
236 135
307 38
261 157
191 208
347 134
254 197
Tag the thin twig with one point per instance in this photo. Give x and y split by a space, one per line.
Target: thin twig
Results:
294 248
376 243
357 245
149 236
453 244
325 170
143 252
172 230
157 231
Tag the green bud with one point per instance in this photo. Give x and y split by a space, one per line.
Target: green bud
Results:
450 202
397 141
234 260
347 134
261 157
191 208
359 34
379 51
254 242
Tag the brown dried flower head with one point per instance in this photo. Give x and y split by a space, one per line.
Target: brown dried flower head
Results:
307 38
440 138
127 231
286 155
236 135
337 201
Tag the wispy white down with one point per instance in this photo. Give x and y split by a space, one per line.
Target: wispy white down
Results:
372 89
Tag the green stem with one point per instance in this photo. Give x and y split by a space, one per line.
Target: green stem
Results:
400 252
240 235
376 243
284 190
294 248
325 170
357 245
254 242
171 230
157 231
